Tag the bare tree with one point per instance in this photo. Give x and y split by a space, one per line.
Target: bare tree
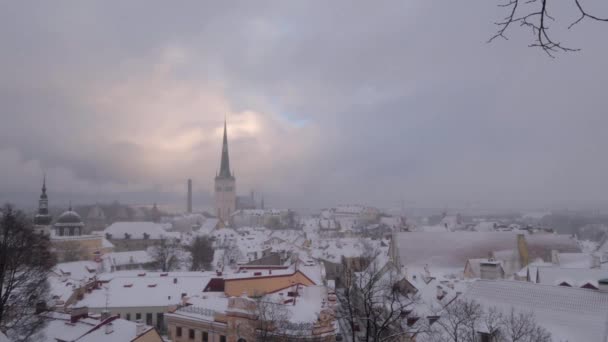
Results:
167 254
465 320
522 327
271 319
535 16
72 251
376 301
457 322
201 252
25 262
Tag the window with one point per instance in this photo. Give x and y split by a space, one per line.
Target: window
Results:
178 331
128 317
411 321
159 321
191 334
205 336
485 337
222 338
149 318
138 316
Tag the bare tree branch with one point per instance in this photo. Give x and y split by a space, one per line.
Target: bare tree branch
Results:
584 15
537 21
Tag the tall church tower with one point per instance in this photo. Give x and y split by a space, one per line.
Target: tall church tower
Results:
43 218
225 185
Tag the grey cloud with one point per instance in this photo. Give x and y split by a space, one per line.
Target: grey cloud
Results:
400 100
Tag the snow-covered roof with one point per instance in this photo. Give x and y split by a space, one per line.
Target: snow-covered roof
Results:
60 328
137 230
122 330
287 235
575 277
334 249
570 314
130 258
204 306
208 226
145 289
308 305
80 270
428 285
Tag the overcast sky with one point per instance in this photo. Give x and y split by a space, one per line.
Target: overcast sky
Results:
373 102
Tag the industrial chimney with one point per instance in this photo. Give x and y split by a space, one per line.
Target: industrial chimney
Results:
189 209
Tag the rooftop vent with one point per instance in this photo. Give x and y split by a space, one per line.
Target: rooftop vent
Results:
151 285
257 273
141 274
128 285
164 274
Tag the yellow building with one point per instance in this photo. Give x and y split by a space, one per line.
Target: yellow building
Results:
69 242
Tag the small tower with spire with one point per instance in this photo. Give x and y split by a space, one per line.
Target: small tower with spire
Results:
225 184
43 218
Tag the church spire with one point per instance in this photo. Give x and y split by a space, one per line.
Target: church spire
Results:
43 194
44 184
225 162
43 217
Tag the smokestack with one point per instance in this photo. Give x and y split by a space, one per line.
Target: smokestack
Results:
189 209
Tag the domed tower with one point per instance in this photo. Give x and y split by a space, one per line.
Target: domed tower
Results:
43 218
69 224
225 185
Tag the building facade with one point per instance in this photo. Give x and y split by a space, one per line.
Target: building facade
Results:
225 185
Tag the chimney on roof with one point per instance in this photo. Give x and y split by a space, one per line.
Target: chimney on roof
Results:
105 314
141 328
174 280
109 328
490 269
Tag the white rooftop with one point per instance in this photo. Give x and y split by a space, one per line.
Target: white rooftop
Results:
137 230
570 314
146 289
